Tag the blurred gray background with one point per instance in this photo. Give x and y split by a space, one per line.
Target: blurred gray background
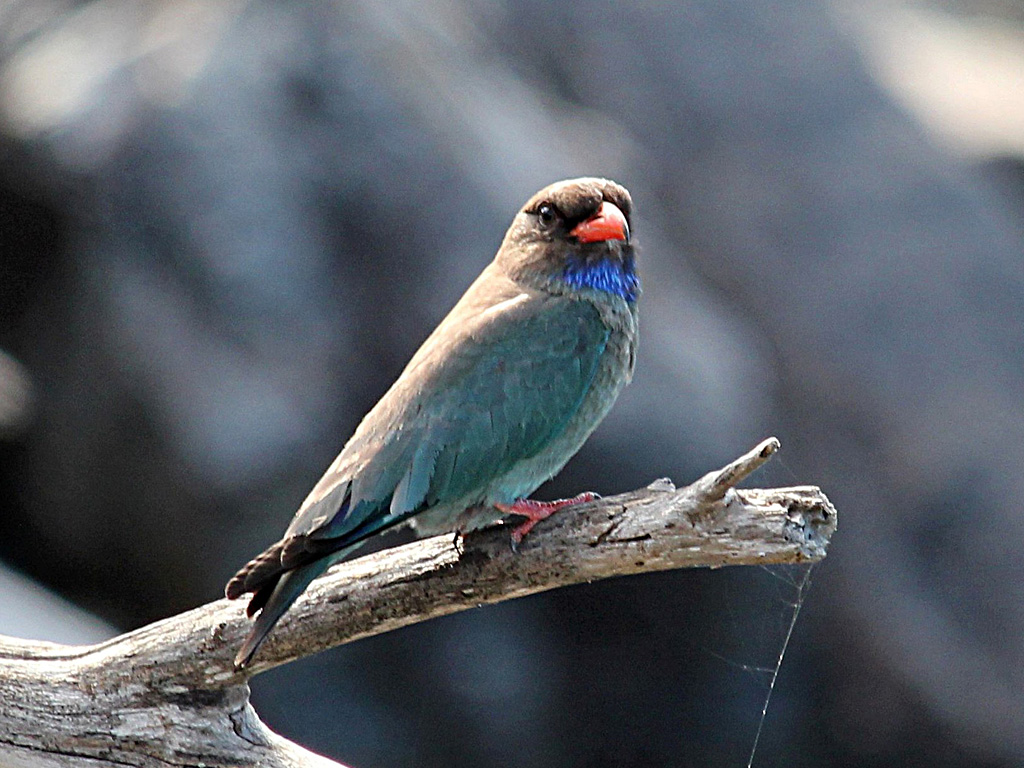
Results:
226 225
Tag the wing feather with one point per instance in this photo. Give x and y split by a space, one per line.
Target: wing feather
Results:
496 394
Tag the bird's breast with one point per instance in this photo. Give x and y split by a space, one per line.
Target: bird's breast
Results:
614 371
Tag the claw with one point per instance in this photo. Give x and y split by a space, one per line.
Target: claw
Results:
535 511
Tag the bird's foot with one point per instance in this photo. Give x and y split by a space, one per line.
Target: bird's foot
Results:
535 511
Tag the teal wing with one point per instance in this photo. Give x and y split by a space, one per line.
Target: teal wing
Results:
494 392
500 394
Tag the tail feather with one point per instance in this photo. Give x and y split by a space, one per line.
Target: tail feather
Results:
261 596
279 575
281 596
262 570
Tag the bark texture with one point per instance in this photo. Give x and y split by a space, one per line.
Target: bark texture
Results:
168 693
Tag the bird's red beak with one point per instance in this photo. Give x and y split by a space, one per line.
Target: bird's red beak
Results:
609 223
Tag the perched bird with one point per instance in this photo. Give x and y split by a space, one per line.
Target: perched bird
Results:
495 402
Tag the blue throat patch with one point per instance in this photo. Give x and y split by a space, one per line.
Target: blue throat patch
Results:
608 275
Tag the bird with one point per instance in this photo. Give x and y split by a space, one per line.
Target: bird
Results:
494 403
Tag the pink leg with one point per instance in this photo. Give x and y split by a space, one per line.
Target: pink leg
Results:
535 511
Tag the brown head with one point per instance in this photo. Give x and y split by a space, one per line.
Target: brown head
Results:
573 235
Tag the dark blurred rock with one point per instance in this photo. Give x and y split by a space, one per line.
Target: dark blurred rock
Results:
15 397
265 209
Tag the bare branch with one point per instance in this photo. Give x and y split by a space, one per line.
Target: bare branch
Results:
168 692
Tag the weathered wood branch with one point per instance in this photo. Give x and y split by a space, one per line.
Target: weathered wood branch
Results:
169 694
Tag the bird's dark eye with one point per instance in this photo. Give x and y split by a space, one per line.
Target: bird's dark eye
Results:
547 214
